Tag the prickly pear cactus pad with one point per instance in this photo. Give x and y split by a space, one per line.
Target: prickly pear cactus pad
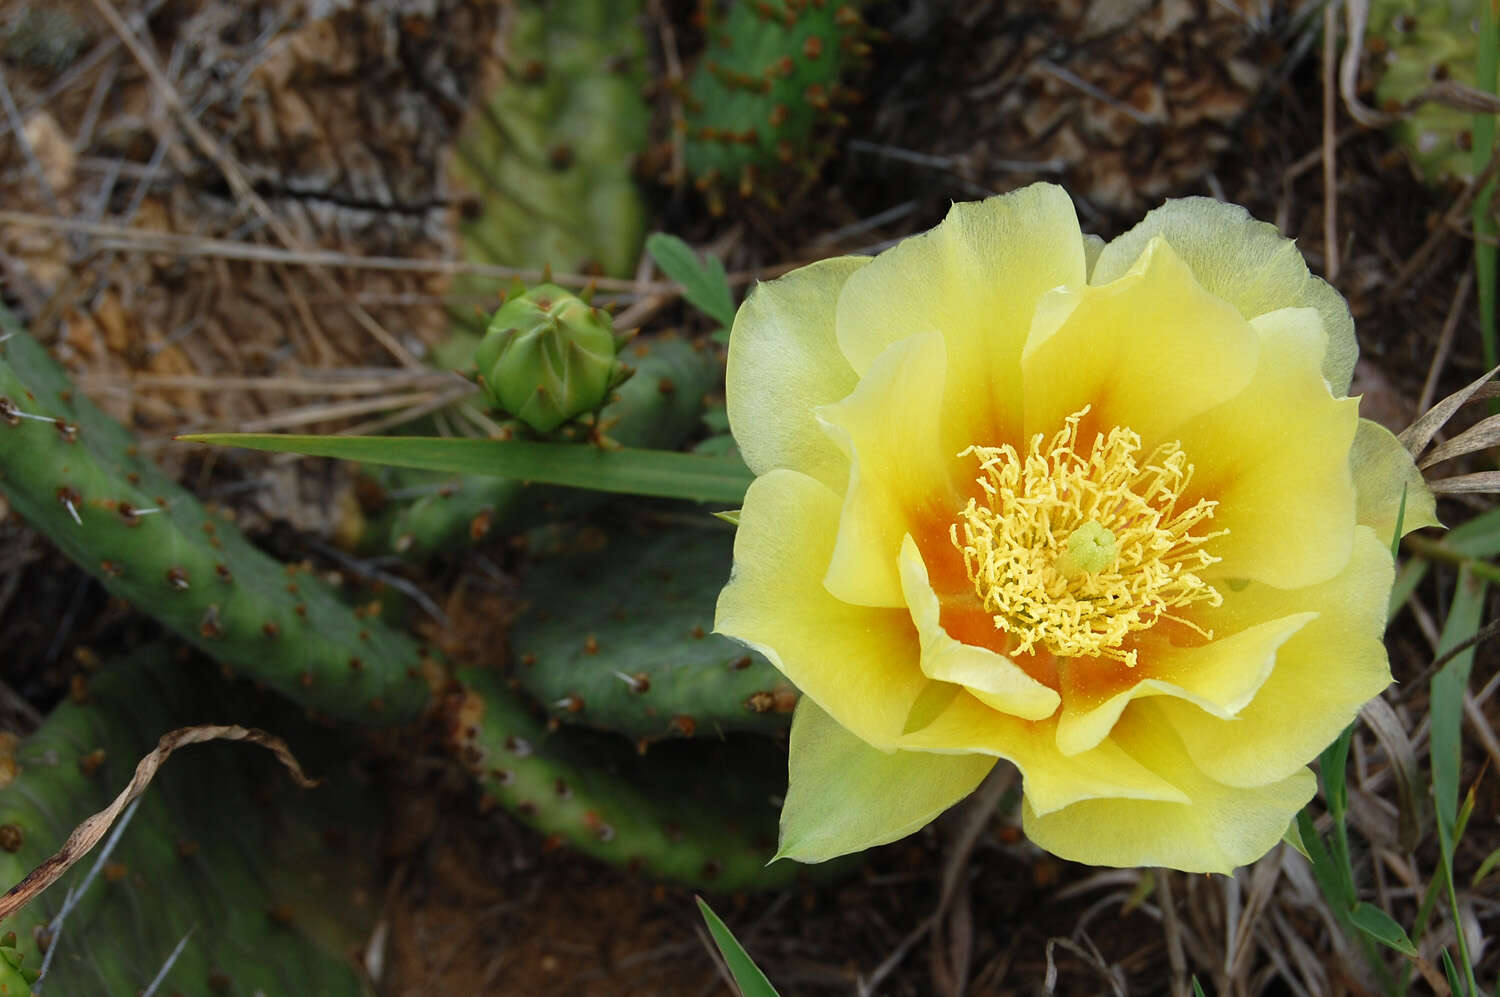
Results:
77 476
549 356
768 93
1425 42
620 637
672 814
268 883
548 157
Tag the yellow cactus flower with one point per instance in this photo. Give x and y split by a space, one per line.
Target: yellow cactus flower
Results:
1104 511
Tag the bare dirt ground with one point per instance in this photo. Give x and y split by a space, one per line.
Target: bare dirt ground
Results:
184 159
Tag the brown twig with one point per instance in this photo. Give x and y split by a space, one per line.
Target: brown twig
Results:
1445 339
88 834
1330 157
1445 227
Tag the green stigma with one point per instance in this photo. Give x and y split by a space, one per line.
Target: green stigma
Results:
1088 549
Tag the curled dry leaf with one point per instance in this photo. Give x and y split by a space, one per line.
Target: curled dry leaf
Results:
1480 436
88 834
1420 433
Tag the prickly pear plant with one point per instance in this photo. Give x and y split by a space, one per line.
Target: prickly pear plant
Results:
768 93
1424 43
671 814
548 356
548 157
618 637
657 408
78 476
15 977
227 879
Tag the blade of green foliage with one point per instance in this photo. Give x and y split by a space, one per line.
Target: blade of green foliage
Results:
704 282
1400 521
1486 867
1477 537
1408 578
657 473
1382 927
752 982
1325 870
1446 709
1447 699
1197 988
1455 985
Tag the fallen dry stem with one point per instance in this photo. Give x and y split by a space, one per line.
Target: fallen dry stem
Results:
88 834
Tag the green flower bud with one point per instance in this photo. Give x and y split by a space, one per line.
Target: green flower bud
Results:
548 356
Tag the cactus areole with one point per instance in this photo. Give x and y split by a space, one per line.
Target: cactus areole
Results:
549 356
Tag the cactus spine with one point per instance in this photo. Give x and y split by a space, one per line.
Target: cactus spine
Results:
76 475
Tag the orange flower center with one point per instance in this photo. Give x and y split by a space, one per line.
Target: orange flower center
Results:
1072 552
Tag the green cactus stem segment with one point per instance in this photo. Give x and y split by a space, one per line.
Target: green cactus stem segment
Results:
768 93
76 475
270 883
671 814
619 637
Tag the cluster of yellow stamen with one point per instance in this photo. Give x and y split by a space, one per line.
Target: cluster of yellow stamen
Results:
1072 552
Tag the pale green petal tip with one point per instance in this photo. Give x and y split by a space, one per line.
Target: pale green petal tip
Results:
1247 262
845 796
1383 473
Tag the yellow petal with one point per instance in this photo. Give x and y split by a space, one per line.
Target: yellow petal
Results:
1215 827
1051 779
976 278
1148 351
845 796
1218 678
992 678
783 362
1383 470
1276 457
1323 674
1246 262
898 467
859 664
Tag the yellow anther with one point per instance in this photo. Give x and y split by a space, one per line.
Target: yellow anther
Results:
1072 551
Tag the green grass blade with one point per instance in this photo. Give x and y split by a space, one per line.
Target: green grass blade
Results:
657 473
1447 699
1486 867
1382 927
1400 522
1197 988
1446 738
1407 580
704 283
752 982
1454 983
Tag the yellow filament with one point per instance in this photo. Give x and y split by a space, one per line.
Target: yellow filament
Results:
1073 551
